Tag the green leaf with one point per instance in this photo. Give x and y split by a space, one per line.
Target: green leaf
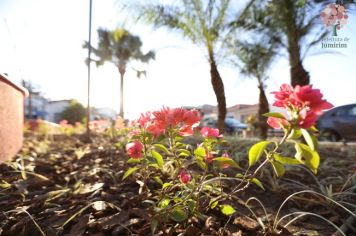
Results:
256 151
4 184
178 214
191 205
278 168
286 160
301 3
307 156
200 152
313 129
177 139
201 163
154 165
274 114
166 185
133 161
221 161
164 203
295 134
239 175
177 199
129 172
158 180
310 139
227 209
161 147
158 157
258 183
183 153
213 204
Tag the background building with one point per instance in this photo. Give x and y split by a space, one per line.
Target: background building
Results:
39 104
55 109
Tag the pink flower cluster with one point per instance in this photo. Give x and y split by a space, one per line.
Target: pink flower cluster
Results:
184 177
158 122
65 124
208 132
134 149
99 126
304 101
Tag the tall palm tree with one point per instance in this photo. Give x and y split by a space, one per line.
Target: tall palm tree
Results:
203 22
119 47
254 60
288 22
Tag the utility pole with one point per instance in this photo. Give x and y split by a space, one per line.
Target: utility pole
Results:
89 62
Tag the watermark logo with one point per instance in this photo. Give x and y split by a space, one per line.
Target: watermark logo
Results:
334 16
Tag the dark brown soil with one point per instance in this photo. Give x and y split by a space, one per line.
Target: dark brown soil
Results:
72 187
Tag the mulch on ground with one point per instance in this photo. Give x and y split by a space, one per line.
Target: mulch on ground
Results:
71 187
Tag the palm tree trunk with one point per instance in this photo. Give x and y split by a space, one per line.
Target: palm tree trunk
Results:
219 90
298 74
122 94
263 108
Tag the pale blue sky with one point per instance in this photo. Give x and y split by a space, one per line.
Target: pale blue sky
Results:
41 41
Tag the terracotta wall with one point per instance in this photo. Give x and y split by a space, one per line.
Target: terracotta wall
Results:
11 118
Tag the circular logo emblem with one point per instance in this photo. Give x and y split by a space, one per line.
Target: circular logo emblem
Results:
334 16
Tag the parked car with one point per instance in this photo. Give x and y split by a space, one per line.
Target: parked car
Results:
338 123
232 126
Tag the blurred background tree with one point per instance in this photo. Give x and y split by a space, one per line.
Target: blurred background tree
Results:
204 23
75 112
119 47
254 60
293 25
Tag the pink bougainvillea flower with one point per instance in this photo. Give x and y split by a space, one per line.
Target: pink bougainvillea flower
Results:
307 118
145 119
208 132
63 122
178 118
301 97
192 117
277 123
134 149
161 118
285 97
133 133
156 130
307 102
311 98
99 125
186 130
184 177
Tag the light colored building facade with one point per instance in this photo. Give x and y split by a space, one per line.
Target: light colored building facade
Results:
241 111
104 113
55 109
39 104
